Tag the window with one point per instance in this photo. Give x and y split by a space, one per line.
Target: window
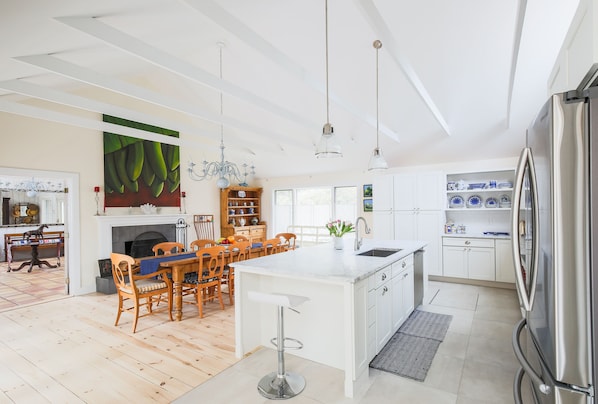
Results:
305 211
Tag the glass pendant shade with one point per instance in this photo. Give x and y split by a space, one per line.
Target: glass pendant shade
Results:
377 161
328 145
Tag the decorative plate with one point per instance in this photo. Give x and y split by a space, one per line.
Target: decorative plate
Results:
241 194
456 201
477 185
491 203
474 201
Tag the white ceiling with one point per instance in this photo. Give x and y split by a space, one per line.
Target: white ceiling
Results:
446 73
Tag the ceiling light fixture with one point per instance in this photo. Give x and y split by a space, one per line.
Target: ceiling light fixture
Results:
377 161
328 145
223 169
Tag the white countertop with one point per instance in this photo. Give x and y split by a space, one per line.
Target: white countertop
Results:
324 263
476 235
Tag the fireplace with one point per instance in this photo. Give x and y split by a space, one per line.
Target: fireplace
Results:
115 231
135 240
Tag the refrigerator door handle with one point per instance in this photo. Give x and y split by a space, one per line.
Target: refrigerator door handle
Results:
517 386
525 365
525 160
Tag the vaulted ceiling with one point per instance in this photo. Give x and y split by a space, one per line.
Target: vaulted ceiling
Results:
458 80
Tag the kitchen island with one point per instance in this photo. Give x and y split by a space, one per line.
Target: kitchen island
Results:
351 302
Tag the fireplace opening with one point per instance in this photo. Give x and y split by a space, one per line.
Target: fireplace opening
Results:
142 245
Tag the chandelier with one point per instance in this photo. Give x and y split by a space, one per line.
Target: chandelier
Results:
224 170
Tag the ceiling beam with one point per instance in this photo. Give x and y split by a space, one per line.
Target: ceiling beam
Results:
72 71
96 28
227 21
32 90
515 57
379 26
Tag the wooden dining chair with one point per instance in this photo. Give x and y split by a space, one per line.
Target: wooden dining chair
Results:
207 279
168 247
228 277
289 240
272 246
202 243
134 287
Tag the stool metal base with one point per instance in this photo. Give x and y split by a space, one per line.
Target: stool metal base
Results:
280 388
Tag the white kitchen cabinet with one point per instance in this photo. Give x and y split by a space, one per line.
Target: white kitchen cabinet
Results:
505 269
383 225
579 51
422 225
402 283
383 308
382 187
421 191
469 258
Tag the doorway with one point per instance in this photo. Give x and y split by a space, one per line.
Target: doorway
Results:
18 288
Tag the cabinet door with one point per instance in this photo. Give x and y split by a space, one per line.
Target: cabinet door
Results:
505 269
382 187
398 308
405 225
429 225
480 263
408 288
454 261
405 192
383 315
430 191
383 228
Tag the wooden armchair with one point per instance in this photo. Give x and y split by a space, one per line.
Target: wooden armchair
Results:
202 243
289 240
134 287
228 277
272 246
168 247
207 281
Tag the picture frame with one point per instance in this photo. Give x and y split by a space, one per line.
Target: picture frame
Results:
368 191
368 205
105 268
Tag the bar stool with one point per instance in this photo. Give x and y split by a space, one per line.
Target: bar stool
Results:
281 384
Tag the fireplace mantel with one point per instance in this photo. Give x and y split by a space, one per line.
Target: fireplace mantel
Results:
106 223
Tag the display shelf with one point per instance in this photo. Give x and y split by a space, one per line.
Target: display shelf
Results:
240 213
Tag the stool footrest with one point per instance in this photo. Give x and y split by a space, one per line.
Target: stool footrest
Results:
299 344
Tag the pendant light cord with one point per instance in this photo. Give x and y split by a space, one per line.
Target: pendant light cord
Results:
327 98
377 45
221 44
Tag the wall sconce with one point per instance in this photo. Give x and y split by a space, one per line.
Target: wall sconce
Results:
184 206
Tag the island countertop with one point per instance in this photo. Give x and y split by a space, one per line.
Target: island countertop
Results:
326 264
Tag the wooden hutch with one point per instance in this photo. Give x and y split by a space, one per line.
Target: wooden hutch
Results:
240 213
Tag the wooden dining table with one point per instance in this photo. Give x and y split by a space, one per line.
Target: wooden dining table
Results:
178 269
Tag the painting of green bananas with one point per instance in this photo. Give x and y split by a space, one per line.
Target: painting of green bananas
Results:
138 171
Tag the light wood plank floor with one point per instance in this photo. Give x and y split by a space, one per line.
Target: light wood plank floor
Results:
68 350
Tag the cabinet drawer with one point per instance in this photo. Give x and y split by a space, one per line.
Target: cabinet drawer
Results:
257 231
467 242
382 276
243 232
401 265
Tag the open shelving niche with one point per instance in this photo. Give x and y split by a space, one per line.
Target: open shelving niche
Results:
478 220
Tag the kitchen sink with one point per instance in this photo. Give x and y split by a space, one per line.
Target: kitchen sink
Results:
379 252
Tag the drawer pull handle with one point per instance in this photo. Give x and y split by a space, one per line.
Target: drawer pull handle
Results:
383 277
403 264
384 290
467 242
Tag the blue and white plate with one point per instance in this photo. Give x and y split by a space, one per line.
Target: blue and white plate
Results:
241 194
491 203
505 201
474 201
456 201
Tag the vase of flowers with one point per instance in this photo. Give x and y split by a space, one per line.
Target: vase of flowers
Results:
337 229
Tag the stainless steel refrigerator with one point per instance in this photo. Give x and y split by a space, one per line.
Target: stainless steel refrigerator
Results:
554 243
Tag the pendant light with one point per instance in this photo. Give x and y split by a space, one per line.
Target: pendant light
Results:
328 145
377 161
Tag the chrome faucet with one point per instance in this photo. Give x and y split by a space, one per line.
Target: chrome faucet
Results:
358 241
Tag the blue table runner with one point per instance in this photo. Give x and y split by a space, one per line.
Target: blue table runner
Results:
150 265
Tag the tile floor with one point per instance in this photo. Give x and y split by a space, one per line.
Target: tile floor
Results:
20 288
474 365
